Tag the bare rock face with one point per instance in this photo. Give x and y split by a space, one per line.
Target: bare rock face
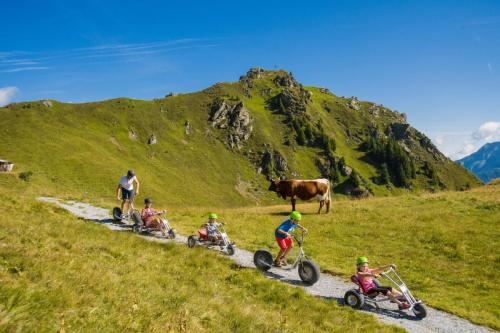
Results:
247 79
235 118
293 101
354 103
47 103
187 127
273 164
325 91
132 134
152 139
255 73
286 80
399 131
374 110
346 170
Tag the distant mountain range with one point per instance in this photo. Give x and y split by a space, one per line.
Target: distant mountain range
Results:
484 163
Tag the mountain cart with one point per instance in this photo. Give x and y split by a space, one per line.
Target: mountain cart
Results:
221 243
357 298
308 270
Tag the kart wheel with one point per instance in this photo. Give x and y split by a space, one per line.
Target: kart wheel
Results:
309 272
192 241
117 214
263 260
136 218
420 311
230 249
171 233
354 299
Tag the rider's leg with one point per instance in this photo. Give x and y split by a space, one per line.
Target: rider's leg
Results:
277 261
289 246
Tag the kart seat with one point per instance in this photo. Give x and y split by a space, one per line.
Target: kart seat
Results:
202 232
355 280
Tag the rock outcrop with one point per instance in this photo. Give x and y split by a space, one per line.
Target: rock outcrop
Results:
152 139
354 103
235 119
286 80
273 164
187 128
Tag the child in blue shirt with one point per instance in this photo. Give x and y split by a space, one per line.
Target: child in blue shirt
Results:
283 237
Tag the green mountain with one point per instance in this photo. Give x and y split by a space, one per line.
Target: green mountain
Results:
484 163
218 146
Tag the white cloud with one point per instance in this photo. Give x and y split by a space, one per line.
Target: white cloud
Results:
458 145
6 95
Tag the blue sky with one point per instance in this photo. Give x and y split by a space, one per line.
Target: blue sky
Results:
437 61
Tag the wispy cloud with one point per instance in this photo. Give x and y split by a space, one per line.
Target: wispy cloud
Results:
6 95
490 68
17 61
456 145
23 69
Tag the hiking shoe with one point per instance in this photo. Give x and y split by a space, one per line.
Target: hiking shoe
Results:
404 306
277 263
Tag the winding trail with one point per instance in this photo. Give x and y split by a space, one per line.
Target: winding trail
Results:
328 286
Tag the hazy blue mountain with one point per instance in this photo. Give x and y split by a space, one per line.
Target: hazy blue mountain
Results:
484 163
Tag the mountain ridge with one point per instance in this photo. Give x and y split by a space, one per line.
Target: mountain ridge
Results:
266 125
485 162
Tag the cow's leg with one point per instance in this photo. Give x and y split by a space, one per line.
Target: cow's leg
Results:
293 204
328 205
321 203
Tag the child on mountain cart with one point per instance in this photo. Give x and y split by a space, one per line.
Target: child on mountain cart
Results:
211 228
365 277
151 217
284 238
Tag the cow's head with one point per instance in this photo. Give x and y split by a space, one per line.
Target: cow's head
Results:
275 186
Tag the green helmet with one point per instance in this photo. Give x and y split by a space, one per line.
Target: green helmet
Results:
212 216
361 260
296 215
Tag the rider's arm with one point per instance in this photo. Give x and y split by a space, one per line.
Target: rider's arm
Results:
138 184
380 269
301 227
283 232
367 274
118 191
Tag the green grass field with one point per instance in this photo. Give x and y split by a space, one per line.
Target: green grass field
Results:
445 245
59 273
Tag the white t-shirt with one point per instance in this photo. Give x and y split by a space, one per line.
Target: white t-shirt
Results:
126 183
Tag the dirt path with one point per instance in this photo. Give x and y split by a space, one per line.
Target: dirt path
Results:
328 286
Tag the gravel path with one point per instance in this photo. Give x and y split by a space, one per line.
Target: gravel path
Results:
328 286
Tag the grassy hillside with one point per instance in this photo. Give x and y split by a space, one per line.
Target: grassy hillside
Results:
81 150
59 273
445 245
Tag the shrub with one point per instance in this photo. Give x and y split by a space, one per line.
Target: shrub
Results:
26 175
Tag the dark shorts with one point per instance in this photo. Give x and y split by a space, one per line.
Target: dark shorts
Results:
127 195
382 290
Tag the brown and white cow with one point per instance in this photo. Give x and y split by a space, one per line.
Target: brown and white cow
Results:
304 190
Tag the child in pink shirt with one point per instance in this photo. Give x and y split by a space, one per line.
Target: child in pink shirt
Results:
365 277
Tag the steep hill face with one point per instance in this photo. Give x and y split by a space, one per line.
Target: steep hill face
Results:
484 163
218 146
